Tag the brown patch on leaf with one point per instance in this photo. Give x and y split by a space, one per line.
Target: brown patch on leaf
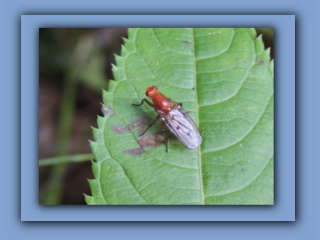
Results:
140 122
151 140
187 42
261 62
106 110
119 129
134 151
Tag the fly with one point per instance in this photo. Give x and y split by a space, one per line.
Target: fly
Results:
175 117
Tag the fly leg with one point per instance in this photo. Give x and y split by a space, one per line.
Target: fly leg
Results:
156 119
165 136
149 103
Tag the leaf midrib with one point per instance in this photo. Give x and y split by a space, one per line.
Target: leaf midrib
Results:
202 198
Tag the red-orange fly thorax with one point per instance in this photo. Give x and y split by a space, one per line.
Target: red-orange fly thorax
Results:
161 103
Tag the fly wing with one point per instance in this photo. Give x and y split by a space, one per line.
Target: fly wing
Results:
183 127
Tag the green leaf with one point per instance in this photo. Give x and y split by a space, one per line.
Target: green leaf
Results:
224 78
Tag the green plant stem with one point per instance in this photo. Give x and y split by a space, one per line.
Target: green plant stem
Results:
54 191
66 159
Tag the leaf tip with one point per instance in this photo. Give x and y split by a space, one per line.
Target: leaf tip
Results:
259 37
268 50
124 50
118 60
88 199
114 68
106 110
252 33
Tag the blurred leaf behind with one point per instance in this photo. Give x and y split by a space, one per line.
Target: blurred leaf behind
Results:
74 65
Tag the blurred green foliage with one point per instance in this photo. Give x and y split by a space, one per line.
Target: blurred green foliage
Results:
70 58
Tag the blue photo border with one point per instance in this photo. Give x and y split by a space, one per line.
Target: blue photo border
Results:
284 207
